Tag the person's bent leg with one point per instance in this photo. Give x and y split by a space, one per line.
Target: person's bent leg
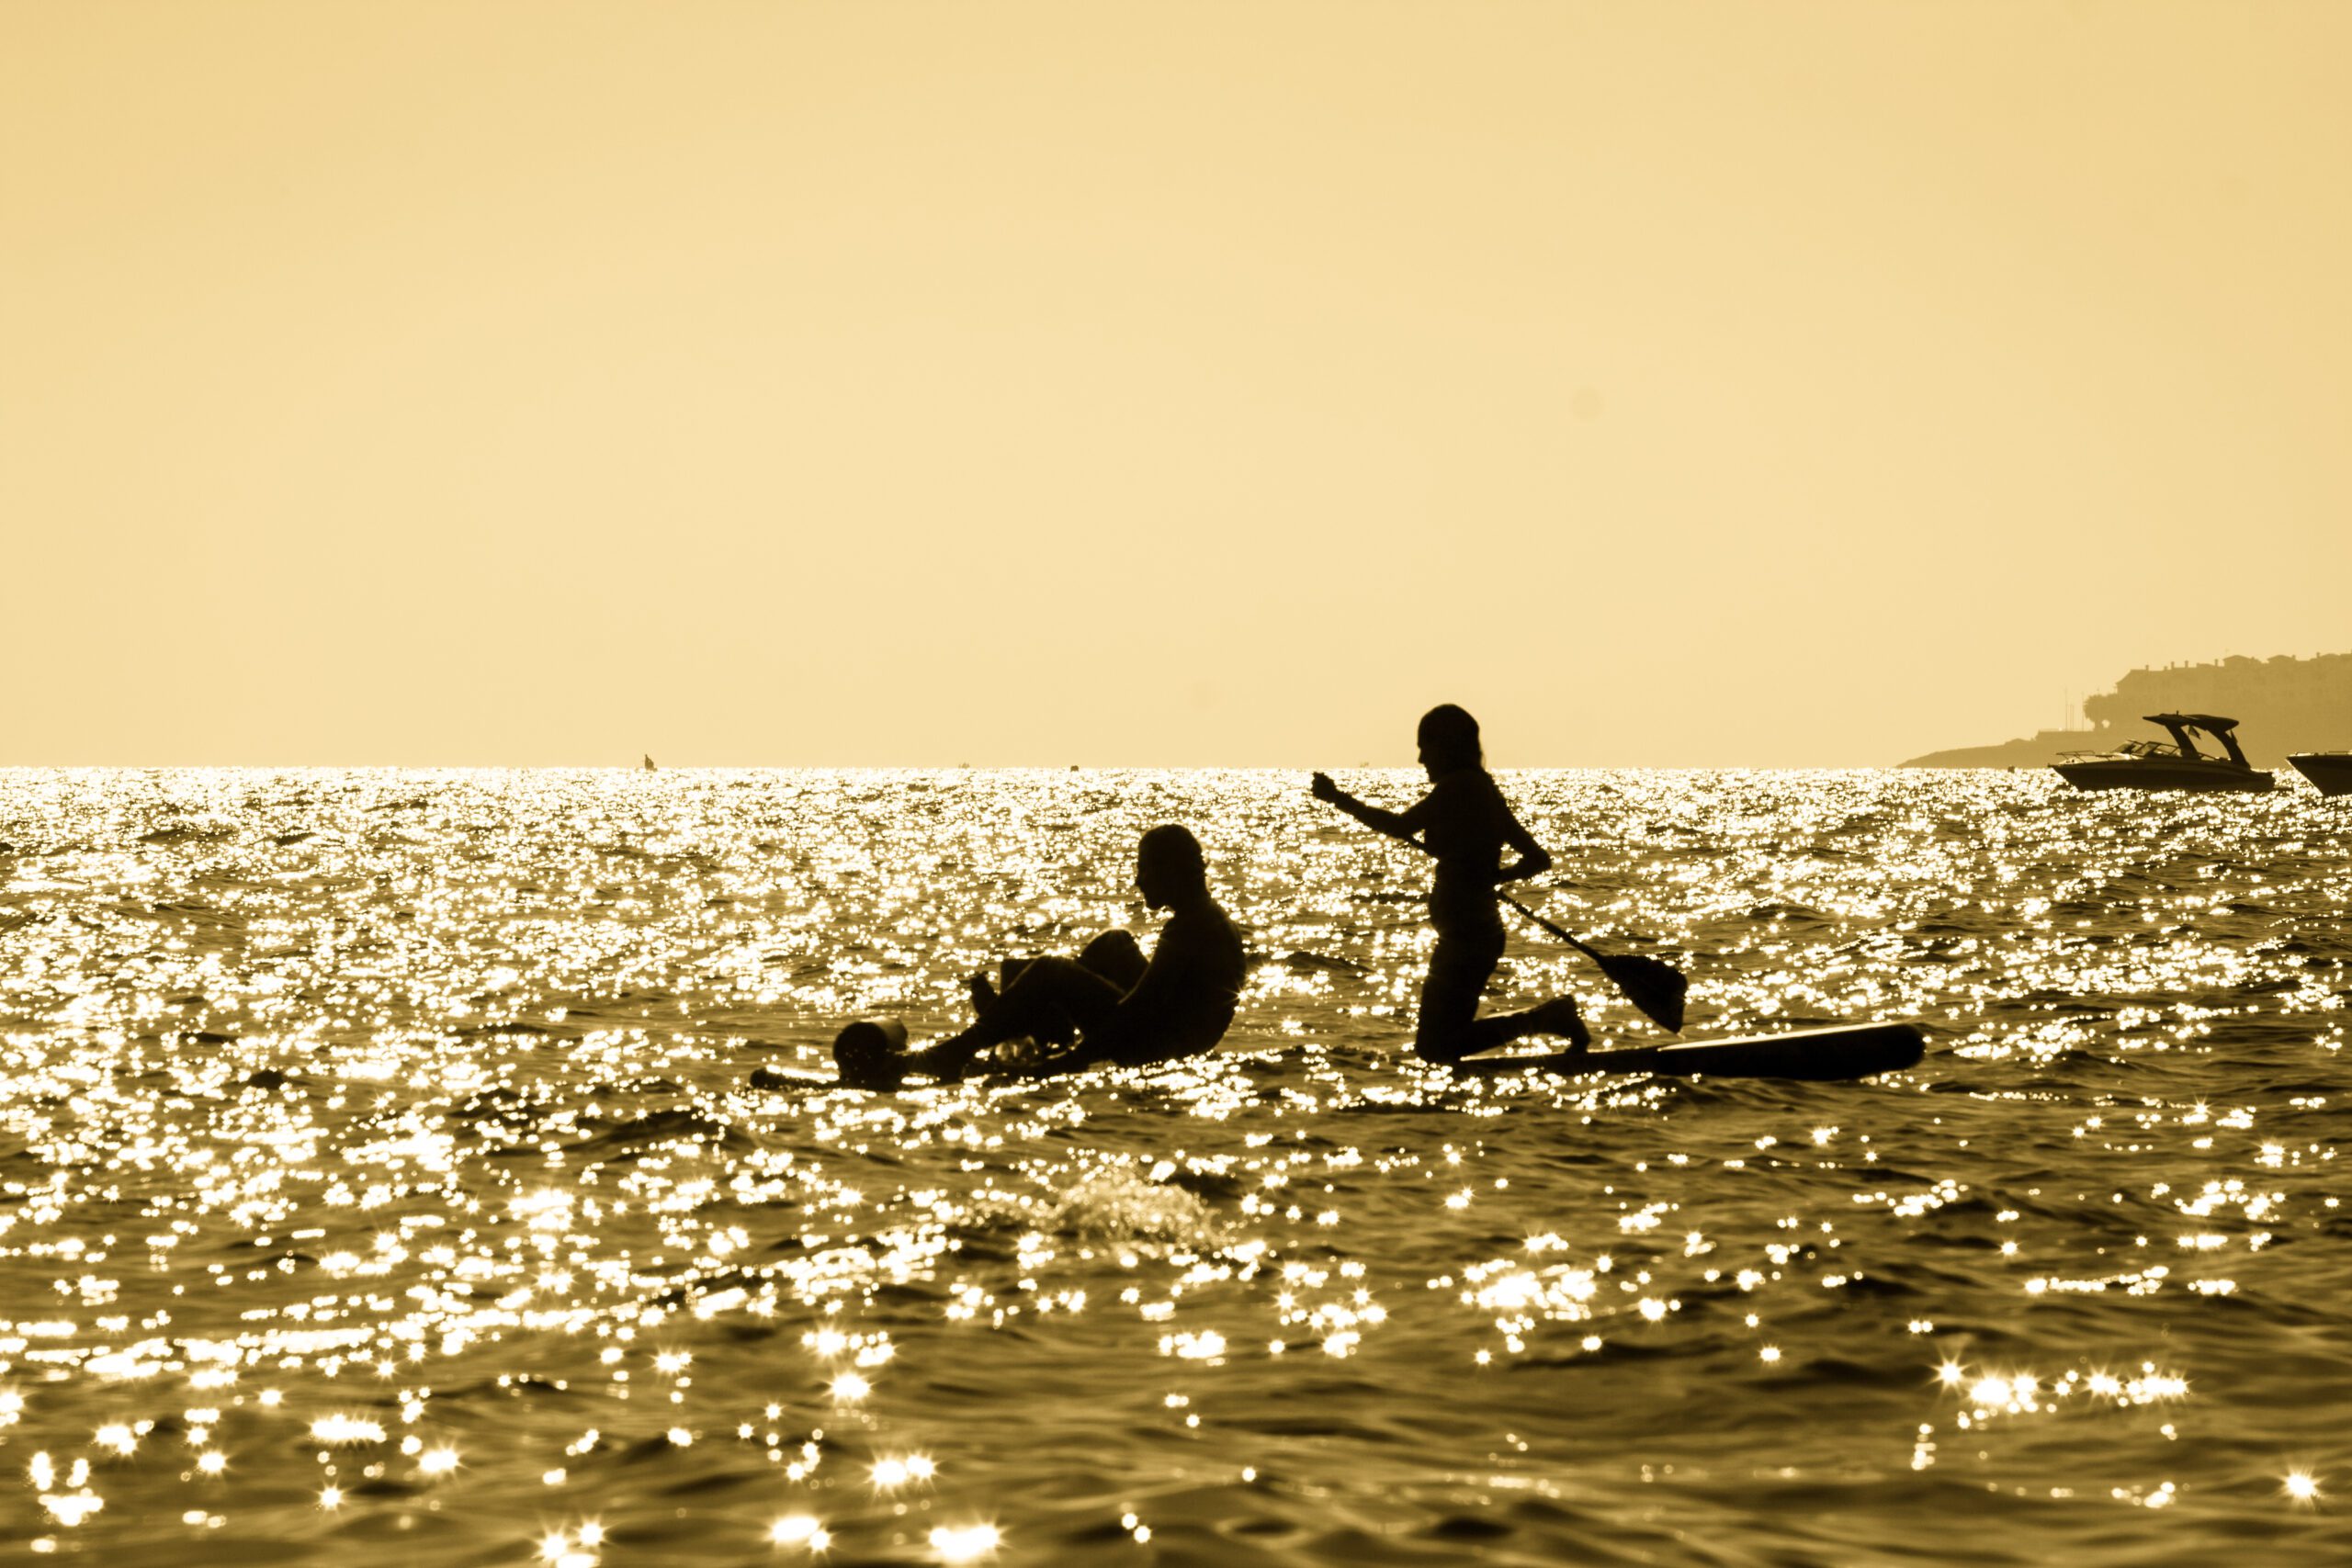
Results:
1049 994
1055 1029
1446 1028
1117 957
1114 954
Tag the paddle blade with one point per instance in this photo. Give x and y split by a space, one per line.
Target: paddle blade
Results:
1654 988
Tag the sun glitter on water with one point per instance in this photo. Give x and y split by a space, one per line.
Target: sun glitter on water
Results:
377 1142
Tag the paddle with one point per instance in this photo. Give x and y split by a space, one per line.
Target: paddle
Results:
1655 987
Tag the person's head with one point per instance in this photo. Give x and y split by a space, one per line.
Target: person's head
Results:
867 1058
1170 866
1449 739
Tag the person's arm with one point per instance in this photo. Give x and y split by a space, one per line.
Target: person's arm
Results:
1164 980
1395 824
1533 859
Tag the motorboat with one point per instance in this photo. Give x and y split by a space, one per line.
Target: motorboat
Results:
2152 764
2331 771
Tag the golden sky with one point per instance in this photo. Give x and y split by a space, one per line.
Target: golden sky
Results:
871 382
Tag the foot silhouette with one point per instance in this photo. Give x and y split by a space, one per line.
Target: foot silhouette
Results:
1559 1016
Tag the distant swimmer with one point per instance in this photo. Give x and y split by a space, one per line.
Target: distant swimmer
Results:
1108 1006
1465 822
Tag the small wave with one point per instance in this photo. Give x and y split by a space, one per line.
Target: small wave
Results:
1113 1202
1303 962
184 834
641 1133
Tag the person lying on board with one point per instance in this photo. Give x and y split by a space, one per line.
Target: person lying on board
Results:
1108 1006
1465 823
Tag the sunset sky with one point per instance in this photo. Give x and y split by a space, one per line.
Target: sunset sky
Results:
874 383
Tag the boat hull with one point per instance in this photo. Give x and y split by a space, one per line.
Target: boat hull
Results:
2330 772
2149 772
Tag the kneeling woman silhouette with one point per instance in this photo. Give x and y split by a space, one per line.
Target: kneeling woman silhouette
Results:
1465 822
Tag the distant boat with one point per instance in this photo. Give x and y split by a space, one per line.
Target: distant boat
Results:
649 763
2331 771
2152 764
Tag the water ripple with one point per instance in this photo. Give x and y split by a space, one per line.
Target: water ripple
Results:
441 1168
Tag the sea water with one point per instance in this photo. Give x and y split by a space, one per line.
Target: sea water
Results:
383 1179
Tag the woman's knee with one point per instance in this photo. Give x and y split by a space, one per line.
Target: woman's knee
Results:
1116 957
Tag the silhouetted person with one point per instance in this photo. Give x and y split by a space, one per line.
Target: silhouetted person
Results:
1466 822
1110 1004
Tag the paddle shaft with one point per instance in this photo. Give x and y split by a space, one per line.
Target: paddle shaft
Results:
1566 936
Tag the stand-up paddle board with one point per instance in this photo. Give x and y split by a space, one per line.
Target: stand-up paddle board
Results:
872 1053
1843 1051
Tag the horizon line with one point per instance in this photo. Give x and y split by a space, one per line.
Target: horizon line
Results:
945 767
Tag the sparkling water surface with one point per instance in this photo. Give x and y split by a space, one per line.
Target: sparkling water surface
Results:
402 1168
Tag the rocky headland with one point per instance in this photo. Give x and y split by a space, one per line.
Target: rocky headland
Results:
2281 704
